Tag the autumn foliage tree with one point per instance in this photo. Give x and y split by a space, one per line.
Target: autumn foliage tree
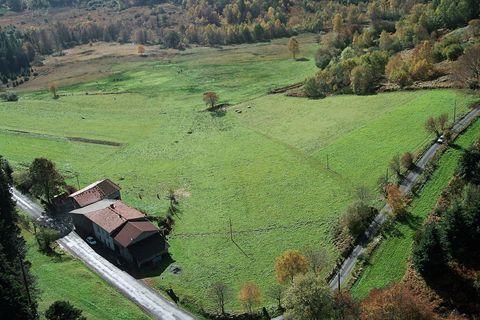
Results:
293 47
141 50
395 302
53 89
396 199
289 264
210 98
250 296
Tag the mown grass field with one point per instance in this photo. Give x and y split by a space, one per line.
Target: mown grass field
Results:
264 169
68 279
389 262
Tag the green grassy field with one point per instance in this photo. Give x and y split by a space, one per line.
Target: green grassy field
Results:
68 279
264 168
389 262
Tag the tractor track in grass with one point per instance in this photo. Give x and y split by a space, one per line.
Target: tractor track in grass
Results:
63 138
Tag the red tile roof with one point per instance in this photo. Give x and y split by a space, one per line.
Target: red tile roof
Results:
94 192
130 232
112 216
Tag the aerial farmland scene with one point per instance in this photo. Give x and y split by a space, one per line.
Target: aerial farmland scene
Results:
240 159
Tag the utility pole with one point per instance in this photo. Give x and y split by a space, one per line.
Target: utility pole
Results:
338 279
328 166
454 110
25 282
78 183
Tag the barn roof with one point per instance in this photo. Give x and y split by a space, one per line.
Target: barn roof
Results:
132 230
110 214
94 192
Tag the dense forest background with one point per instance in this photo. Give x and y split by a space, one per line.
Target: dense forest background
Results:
30 29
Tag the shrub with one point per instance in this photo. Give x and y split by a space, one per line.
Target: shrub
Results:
323 56
422 70
407 160
363 80
10 96
357 218
453 51
312 89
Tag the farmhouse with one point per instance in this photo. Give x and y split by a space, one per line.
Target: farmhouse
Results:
121 228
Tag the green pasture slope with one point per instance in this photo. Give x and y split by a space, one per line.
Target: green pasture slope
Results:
264 168
69 279
389 263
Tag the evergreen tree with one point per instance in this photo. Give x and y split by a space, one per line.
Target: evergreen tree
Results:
16 284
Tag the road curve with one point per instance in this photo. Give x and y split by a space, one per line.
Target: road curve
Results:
133 289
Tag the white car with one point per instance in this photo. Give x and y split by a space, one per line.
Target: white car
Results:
441 139
91 240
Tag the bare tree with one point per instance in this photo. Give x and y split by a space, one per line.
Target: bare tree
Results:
276 293
219 294
316 258
431 126
442 122
395 166
466 70
363 193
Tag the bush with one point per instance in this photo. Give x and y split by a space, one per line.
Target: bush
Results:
22 181
453 52
363 80
357 218
323 56
312 89
10 96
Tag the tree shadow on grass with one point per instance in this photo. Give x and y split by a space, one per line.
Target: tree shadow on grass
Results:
219 113
456 146
407 219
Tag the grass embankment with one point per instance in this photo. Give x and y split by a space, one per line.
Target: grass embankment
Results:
389 261
264 168
68 279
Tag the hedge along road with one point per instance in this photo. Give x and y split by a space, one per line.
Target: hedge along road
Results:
135 290
406 186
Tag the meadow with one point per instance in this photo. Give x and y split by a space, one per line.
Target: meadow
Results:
389 262
65 278
264 169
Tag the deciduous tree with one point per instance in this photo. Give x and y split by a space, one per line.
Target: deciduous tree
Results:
396 199
45 179
308 297
293 47
220 293
250 296
395 302
466 70
210 98
289 264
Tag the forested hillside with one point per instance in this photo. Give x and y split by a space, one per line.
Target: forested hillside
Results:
29 31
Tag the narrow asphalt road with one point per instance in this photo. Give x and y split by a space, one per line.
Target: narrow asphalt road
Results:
133 289
406 186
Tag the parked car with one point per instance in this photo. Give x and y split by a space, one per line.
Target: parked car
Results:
441 139
91 240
